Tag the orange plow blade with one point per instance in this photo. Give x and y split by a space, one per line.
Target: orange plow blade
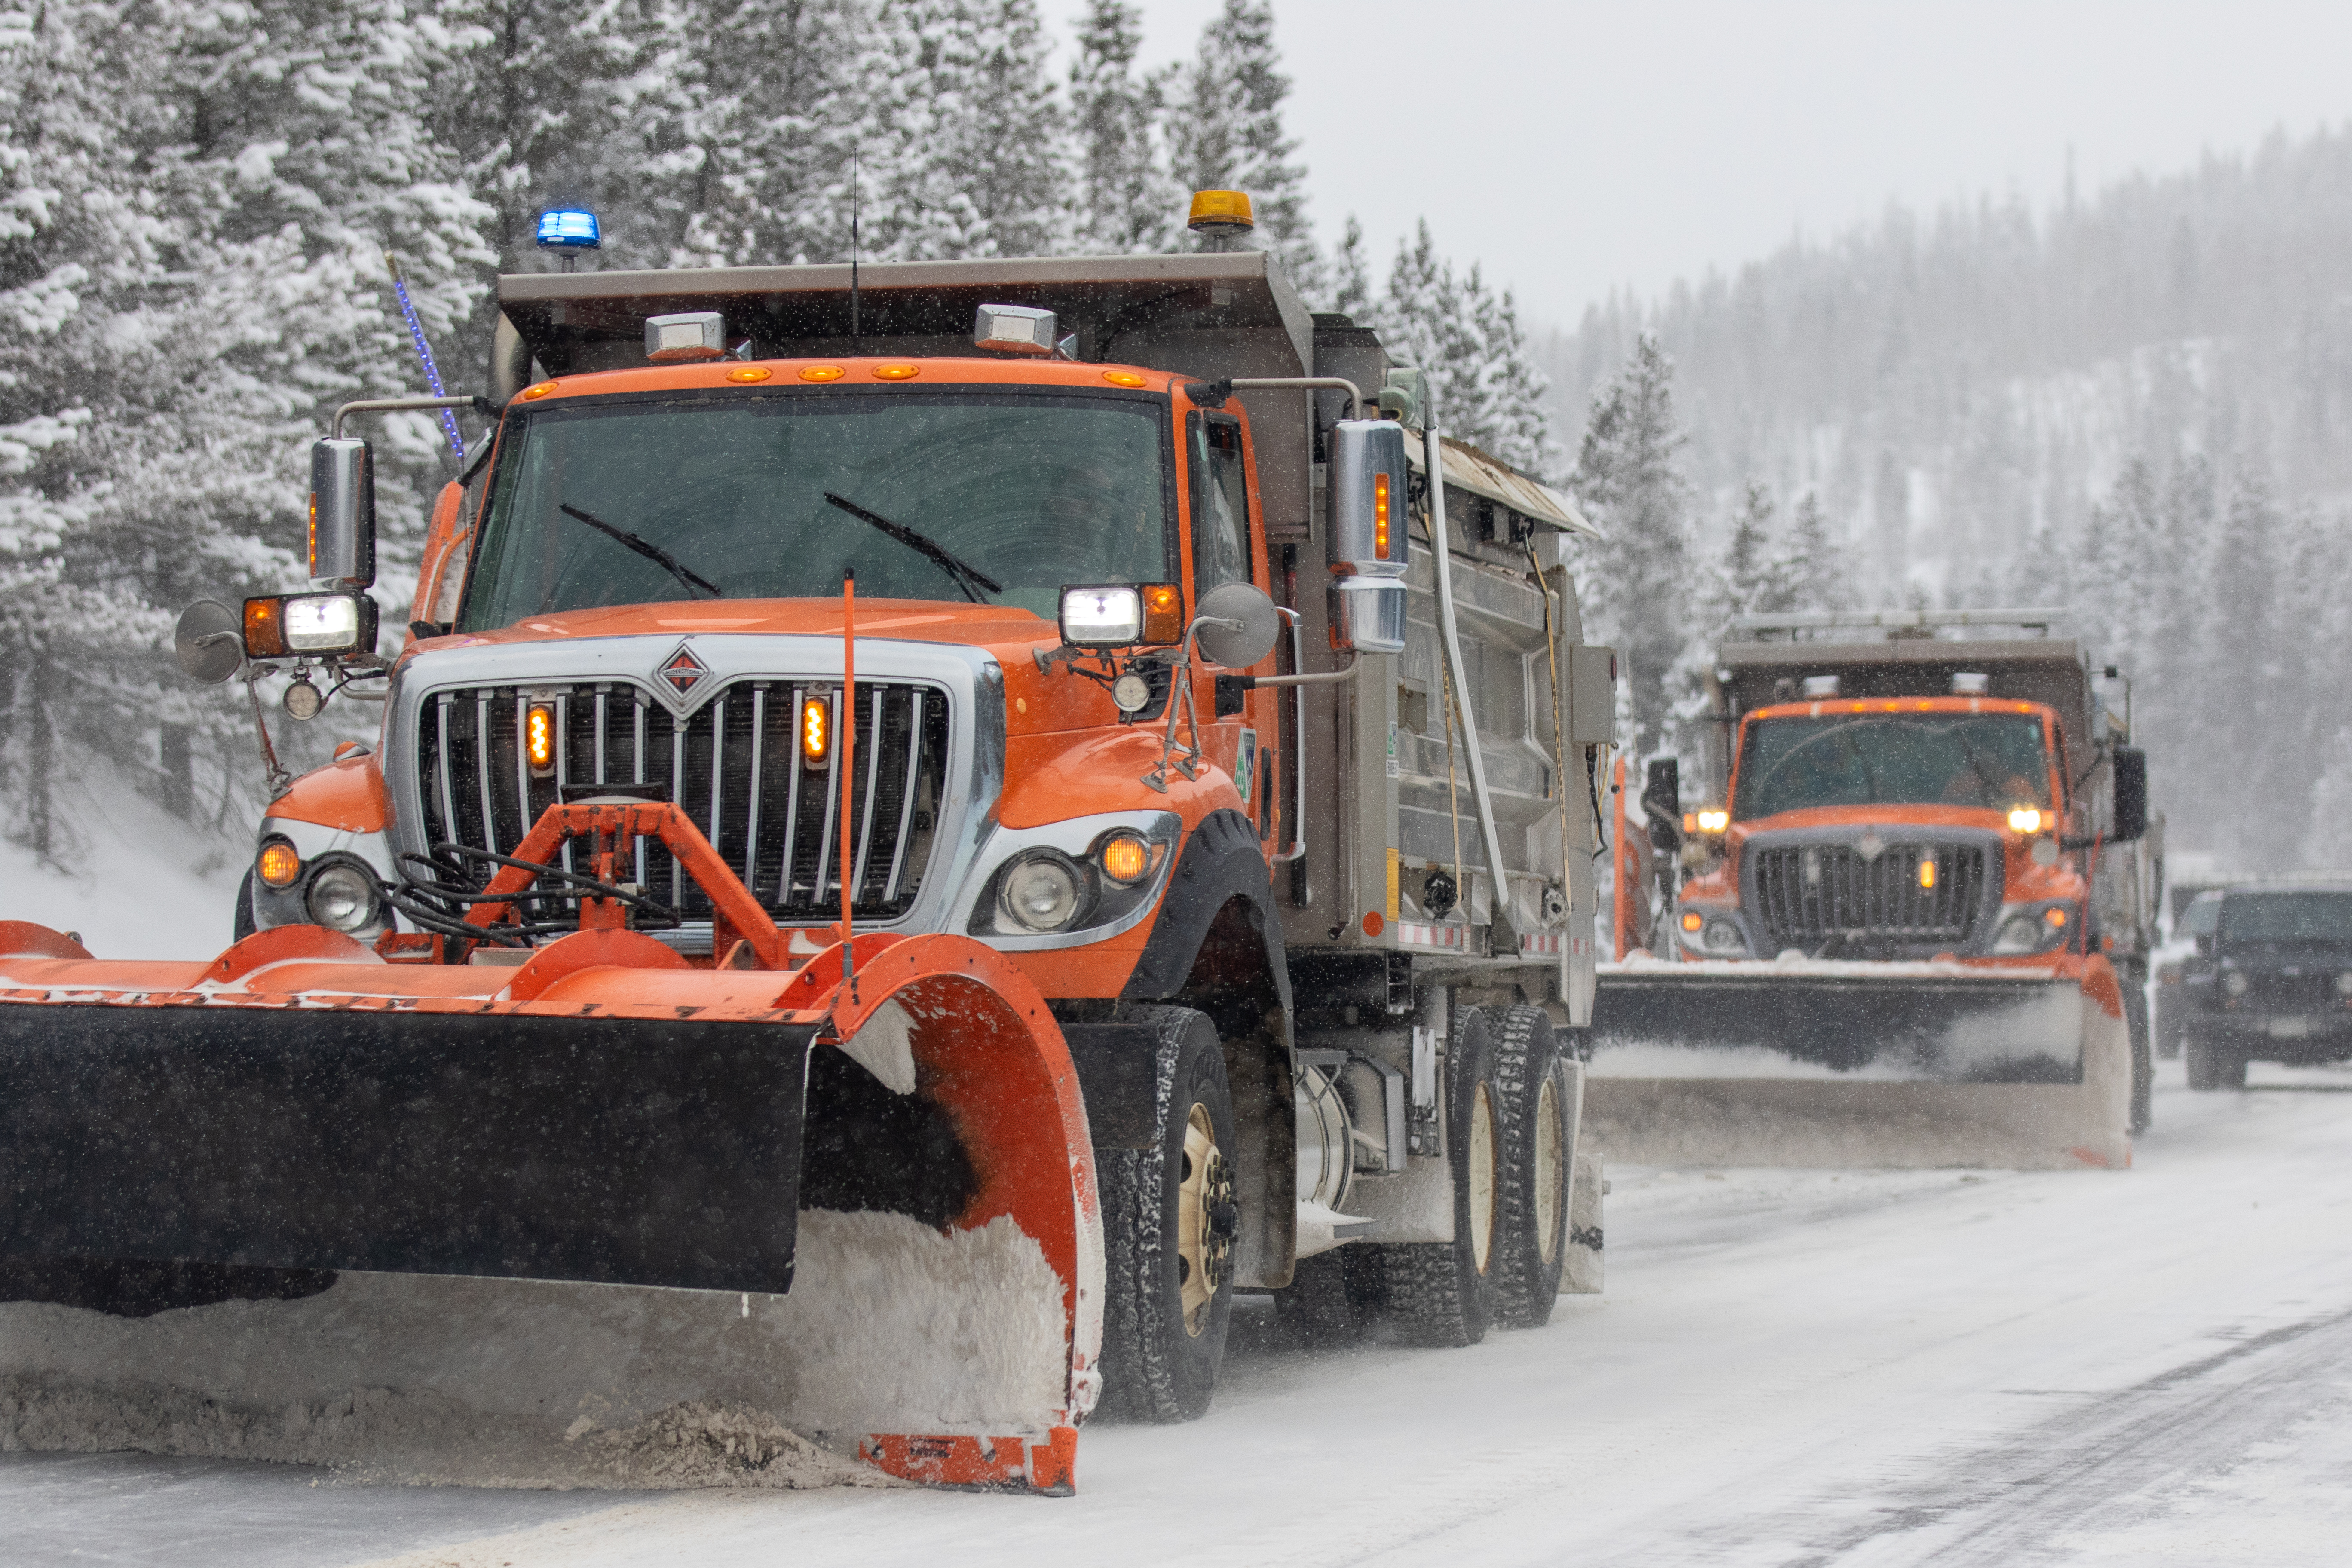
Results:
596 1218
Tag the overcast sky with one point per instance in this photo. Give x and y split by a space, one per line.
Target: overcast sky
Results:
1575 146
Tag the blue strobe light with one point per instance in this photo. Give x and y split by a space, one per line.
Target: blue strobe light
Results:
569 228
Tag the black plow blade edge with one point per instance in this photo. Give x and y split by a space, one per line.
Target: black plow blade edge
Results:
608 1151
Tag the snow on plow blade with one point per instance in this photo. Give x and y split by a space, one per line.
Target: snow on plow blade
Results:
597 1219
1860 1064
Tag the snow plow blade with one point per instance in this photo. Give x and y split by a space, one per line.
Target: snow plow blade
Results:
599 1218
1860 1064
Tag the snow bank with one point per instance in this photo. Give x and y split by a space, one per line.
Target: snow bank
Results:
141 884
890 1327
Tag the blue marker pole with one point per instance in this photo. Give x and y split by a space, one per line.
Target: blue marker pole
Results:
424 353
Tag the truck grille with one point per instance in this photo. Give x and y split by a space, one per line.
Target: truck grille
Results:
734 766
1807 894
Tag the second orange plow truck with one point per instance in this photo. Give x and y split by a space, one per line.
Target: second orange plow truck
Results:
1919 866
1197 750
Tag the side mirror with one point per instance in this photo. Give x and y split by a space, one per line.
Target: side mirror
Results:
1253 628
2131 795
1662 801
1365 487
209 642
2204 946
342 512
1368 615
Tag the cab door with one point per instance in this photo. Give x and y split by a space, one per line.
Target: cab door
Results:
1227 547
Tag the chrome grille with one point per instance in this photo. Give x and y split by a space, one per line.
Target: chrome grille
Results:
1807 894
734 766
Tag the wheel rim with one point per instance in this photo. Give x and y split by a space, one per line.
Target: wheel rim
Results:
1482 1178
1548 1185
1203 1246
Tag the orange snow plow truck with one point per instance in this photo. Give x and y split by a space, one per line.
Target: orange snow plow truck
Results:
1076 637
1881 937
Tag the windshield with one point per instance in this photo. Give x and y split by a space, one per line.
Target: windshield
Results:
1989 761
2286 916
969 495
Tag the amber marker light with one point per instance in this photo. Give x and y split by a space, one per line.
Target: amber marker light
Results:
2025 819
265 628
534 394
2054 918
277 865
1928 872
816 731
1164 612
1381 515
749 372
539 738
1126 859
1124 378
822 372
896 371
1692 919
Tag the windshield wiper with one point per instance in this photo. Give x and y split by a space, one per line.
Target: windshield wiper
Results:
649 550
963 571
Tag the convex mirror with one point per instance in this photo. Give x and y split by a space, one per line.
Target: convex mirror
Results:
1238 624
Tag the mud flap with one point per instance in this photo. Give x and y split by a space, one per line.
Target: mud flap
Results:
1748 1065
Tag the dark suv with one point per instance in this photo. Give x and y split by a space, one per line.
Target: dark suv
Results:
2273 982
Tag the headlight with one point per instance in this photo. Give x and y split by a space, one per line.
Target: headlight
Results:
1107 616
342 896
2025 819
2035 929
2235 984
1714 935
1042 890
285 624
323 623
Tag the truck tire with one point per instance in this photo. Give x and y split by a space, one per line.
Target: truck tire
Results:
1169 1222
2143 1055
1444 1293
2212 1066
1327 1303
1532 1183
243 923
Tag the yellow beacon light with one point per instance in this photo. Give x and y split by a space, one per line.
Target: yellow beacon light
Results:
1216 212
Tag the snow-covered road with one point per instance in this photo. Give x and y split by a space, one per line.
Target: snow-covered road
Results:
1789 1367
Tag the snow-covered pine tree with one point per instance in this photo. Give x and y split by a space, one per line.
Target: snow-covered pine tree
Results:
1227 135
1809 575
1126 201
964 136
1483 382
1638 580
544 102
1747 583
1351 275
1517 421
80 251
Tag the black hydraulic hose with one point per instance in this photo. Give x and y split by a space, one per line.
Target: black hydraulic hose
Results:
437 901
